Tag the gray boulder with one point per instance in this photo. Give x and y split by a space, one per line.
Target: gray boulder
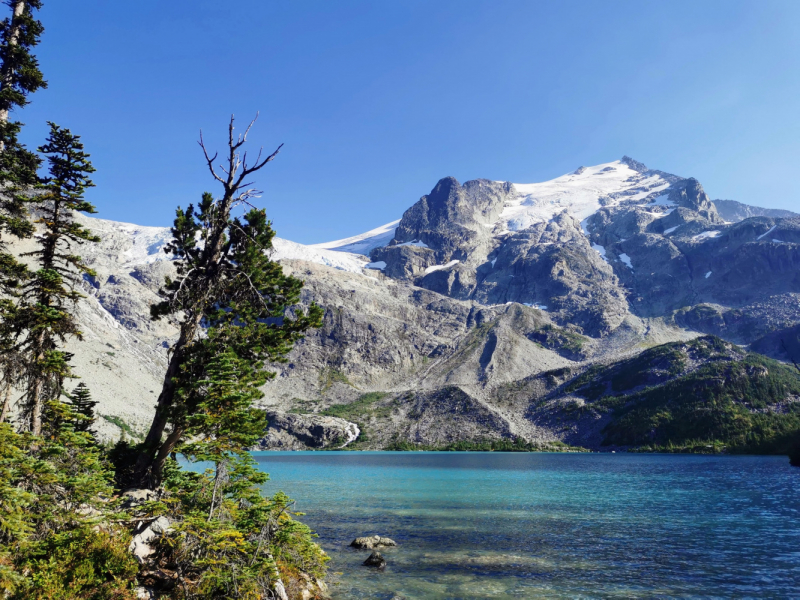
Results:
371 542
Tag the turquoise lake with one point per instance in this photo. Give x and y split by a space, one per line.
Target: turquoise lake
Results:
509 525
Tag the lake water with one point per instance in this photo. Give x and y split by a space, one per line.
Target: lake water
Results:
508 525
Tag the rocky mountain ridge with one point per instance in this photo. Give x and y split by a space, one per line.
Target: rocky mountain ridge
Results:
457 321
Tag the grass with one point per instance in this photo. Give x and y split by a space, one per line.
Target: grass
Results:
329 376
126 429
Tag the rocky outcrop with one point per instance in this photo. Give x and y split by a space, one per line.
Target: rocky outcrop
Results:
479 295
733 211
372 542
293 431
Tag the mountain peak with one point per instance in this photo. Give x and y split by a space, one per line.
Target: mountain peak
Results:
634 164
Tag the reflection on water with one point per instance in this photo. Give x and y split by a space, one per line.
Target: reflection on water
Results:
496 525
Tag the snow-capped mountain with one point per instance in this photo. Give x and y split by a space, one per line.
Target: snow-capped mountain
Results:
464 308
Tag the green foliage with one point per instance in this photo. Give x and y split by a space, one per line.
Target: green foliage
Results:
227 539
566 343
58 532
44 316
123 426
83 405
516 444
363 407
729 402
225 281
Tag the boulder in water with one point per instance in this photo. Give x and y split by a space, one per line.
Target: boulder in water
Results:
375 560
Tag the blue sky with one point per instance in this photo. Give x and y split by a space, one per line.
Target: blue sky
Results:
376 101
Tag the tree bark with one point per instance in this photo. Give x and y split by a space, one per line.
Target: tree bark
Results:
6 404
5 75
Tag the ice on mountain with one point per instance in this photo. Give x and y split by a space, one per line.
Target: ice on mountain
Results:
766 233
600 250
364 242
706 235
662 200
344 261
433 268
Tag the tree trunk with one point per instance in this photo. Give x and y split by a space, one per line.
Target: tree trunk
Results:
153 454
6 404
5 75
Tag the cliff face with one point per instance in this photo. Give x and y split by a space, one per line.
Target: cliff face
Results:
474 311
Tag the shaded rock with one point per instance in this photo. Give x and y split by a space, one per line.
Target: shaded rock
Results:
375 560
141 545
296 431
134 497
375 541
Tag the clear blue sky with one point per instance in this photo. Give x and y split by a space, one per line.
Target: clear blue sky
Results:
378 100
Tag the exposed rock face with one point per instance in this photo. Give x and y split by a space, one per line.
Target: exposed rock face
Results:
494 297
142 543
291 431
733 211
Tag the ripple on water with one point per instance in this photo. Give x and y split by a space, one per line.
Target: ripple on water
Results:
494 525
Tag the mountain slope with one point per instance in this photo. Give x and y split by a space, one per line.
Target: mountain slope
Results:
466 318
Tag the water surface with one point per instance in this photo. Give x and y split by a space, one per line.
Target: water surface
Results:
514 525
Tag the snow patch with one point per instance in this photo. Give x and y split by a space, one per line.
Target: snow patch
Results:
494 260
670 230
626 260
364 242
706 235
379 265
766 233
708 274
414 243
344 261
538 306
600 250
662 200
578 193
452 263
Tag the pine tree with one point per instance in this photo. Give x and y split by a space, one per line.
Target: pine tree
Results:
225 277
44 318
82 404
227 539
19 77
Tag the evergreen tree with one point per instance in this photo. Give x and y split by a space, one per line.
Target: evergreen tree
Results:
81 401
59 536
44 317
227 539
19 77
225 277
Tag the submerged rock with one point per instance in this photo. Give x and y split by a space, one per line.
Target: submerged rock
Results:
375 541
375 560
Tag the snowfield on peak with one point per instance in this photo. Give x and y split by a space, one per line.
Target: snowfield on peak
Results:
364 242
581 193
